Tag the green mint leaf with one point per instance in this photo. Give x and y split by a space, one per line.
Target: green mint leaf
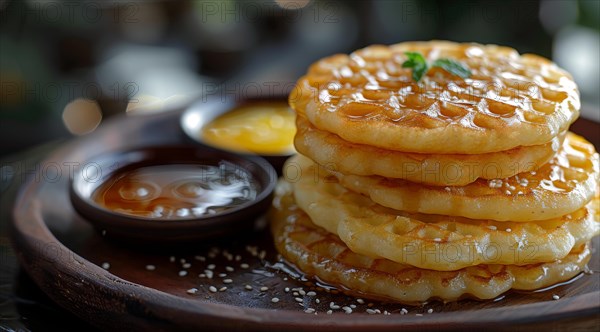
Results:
453 67
417 62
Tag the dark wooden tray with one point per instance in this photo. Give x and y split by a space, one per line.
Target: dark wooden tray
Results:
64 256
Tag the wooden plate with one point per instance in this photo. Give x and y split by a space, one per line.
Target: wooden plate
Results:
64 255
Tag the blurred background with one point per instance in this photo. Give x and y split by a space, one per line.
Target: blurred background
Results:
66 66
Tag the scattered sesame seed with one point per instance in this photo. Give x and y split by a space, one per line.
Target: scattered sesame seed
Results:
298 299
302 292
222 289
213 289
264 289
311 293
172 259
437 239
103 232
371 311
227 281
556 297
222 275
200 258
508 192
229 269
105 265
295 293
209 274
512 188
262 254
182 261
492 227
309 310
183 273
329 312
285 279
353 306
419 315
202 275
403 311
360 301
244 266
287 289
519 193
318 301
211 266
275 300
430 311
192 291
386 313
509 230
238 258
347 310
333 306
248 287
186 265
150 267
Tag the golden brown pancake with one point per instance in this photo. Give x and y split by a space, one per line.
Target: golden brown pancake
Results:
563 185
322 254
335 153
435 242
367 97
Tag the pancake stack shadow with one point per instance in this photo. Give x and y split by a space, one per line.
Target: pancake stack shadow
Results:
440 189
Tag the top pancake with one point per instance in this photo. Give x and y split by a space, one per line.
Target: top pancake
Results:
510 100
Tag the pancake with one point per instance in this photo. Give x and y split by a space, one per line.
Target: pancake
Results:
563 185
367 97
321 254
333 152
433 242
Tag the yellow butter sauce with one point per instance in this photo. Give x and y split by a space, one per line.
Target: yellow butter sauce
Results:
261 128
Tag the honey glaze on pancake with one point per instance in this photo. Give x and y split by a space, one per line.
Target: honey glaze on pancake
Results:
367 97
171 192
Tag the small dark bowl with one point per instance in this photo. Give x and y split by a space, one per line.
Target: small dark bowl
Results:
175 231
205 110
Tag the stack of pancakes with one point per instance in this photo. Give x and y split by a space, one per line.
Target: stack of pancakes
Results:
442 188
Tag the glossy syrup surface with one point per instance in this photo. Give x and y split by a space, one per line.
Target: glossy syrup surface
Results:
179 191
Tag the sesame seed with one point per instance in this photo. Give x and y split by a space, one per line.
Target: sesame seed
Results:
248 287
208 273
333 306
287 289
509 230
556 297
211 266
512 188
360 301
200 258
264 289
430 311
238 258
519 193
329 312
213 289
202 275
229 269
183 273
227 281
275 300
105 265
377 311
186 265
318 301
192 291
302 292
508 192
244 266
222 289
298 299
347 310
222 275
353 306
419 315
437 239
150 267
103 232
172 259
371 311
492 227
311 293
182 261
309 310
262 254
295 293
403 311
386 313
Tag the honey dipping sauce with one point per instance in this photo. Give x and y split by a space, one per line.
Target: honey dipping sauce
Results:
177 191
261 128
